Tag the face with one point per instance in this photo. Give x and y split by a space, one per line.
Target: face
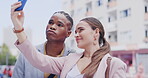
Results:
84 35
57 28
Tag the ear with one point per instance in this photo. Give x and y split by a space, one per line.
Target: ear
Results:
97 33
68 33
97 30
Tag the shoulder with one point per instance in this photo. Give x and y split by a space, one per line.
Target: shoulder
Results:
21 59
40 47
68 50
117 64
74 55
117 61
118 68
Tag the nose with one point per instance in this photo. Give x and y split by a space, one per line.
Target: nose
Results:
53 27
76 34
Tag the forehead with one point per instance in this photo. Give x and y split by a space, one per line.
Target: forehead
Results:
82 24
60 17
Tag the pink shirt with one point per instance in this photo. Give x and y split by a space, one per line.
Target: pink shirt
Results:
62 65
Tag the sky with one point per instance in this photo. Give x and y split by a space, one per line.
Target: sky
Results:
37 14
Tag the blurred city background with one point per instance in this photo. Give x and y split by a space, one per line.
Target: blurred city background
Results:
125 22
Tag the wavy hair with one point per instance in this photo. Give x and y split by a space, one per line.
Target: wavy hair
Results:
99 54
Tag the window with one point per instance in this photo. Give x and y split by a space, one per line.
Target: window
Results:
113 36
125 13
72 1
146 9
72 13
80 12
88 6
100 2
109 0
109 19
126 36
146 31
112 18
141 58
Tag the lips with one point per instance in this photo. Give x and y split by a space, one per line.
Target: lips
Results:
50 32
78 39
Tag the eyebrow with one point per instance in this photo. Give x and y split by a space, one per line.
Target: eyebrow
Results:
78 29
61 22
58 21
51 20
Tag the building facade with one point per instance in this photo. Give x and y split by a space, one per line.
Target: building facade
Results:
126 26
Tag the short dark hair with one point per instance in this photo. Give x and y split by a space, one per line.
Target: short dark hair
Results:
67 16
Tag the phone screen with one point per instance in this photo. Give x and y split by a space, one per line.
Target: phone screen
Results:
22 6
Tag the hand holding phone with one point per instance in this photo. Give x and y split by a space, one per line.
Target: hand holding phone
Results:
22 6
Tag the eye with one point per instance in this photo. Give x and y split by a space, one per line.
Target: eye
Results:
75 32
51 22
80 30
60 25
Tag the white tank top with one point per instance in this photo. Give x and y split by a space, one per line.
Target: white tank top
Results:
74 73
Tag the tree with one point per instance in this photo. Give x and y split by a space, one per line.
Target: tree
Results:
5 52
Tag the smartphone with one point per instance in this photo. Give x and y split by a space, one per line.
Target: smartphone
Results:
22 6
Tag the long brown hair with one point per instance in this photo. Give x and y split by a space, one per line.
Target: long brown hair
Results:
99 54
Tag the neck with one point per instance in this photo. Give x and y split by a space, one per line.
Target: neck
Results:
90 51
54 48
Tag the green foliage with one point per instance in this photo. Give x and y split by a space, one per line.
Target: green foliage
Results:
5 52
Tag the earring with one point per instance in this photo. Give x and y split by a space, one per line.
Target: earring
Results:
95 41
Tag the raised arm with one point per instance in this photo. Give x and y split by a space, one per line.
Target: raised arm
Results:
38 60
43 62
17 18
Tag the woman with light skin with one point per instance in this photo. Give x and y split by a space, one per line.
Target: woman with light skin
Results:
92 63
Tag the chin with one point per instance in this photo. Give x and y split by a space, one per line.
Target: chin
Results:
80 46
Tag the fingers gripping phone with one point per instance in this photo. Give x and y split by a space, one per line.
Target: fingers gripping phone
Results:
22 6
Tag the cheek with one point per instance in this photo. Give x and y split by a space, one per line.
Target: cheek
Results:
48 26
87 35
62 32
83 43
88 38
